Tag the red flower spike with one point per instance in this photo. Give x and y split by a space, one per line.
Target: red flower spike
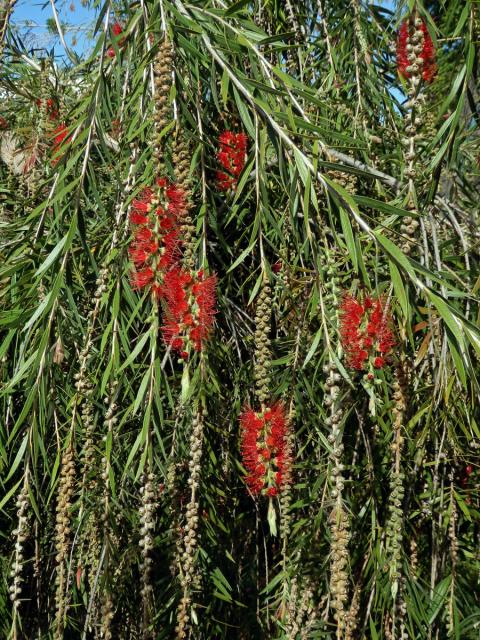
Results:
60 138
141 279
116 31
365 332
190 307
231 156
138 218
156 240
429 68
52 110
402 55
264 449
428 56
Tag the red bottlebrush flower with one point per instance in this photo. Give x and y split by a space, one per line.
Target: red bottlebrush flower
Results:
190 308
365 332
231 155
116 31
60 133
3 123
142 278
155 244
427 54
265 452
52 110
469 469
402 55
60 138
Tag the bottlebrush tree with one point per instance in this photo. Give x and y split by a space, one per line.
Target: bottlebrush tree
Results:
239 323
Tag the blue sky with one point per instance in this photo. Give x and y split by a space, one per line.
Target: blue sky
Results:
30 19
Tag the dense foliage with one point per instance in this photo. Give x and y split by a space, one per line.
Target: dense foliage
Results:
239 324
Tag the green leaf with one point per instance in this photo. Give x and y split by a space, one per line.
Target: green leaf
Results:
399 288
236 7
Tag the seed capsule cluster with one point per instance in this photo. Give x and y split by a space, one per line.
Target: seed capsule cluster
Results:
147 527
21 536
348 181
63 535
338 518
395 522
286 493
110 420
452 535
394 526
452 525
414 559
67 481
181 163
191 526
262 356
89 456
412 64
162 72
89 542
409 228
301 612
107 617
352 617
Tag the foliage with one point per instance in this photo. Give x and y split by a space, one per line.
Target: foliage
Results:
121 462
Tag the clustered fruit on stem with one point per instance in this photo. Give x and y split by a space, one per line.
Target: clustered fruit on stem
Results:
415 62
110 420
300 610
262 357
63 536
338 518
181 167
162 73
147 527
190 544
395 522
354 327
452 535
21 534
265 438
